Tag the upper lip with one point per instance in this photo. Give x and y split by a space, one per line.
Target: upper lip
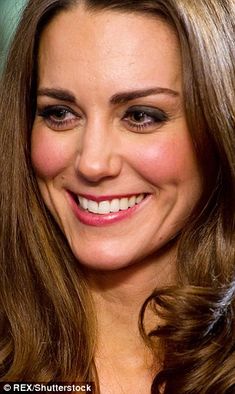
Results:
107 197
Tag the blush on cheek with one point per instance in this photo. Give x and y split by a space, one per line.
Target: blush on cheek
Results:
157 164
49 156
164 162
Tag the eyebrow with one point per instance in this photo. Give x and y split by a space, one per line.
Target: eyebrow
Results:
59 94
123 97
118 98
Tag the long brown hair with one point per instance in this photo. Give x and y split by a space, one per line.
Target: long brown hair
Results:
47 321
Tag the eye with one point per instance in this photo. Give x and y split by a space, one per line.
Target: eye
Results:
141 118
59 117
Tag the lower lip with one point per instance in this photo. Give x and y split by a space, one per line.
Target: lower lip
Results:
93 219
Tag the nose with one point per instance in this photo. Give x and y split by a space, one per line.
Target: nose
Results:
97 156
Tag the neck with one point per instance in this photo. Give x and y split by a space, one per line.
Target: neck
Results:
118 297
135 282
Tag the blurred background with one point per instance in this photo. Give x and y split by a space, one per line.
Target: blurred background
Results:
10 11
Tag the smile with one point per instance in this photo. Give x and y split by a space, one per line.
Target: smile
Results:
112 206
106 210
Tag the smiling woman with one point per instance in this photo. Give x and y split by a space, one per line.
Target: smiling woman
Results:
117 196
95 154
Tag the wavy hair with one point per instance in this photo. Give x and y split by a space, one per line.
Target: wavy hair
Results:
47 319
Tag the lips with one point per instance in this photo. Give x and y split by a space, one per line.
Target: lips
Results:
100 211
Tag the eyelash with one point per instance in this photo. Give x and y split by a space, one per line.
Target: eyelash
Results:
156 117
50 111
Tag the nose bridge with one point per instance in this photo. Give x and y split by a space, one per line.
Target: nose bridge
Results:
98 157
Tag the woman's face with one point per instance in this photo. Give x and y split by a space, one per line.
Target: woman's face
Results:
110 144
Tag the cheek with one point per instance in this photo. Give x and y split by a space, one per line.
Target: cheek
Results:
49 153
168 160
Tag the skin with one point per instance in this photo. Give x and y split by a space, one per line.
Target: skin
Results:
101 154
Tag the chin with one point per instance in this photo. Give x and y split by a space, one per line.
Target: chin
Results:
103 261
104 265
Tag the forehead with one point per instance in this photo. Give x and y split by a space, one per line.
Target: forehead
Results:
108 47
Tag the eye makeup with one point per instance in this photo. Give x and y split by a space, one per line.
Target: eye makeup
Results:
145 118
137 118
59 117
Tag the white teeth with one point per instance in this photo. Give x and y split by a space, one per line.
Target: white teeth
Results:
124 204
104 207
114 205
85 203
92 206
139 198
132 201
